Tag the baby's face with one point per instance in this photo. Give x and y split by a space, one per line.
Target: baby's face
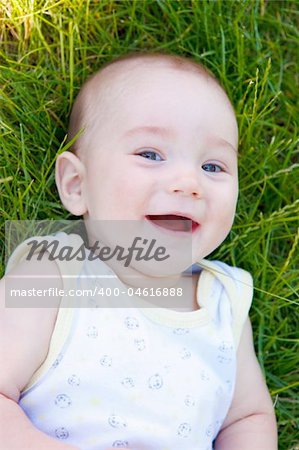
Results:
167 149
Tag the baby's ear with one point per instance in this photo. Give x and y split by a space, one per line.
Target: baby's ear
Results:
69 175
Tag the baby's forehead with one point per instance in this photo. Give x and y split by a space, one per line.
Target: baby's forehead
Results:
122 81
118 75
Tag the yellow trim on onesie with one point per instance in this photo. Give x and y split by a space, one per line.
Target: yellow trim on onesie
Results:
240 292
64 319
60 334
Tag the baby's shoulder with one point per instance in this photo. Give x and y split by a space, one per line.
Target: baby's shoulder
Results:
28 314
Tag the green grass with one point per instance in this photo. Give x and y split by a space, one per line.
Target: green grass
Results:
48 48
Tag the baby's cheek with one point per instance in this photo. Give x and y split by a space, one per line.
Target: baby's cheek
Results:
127 197
124 189
222 215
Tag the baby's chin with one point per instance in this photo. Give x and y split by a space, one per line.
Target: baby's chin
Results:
151 272
168 288
156 271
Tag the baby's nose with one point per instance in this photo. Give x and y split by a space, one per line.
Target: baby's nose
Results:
186 182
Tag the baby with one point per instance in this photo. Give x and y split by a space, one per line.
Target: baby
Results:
157 159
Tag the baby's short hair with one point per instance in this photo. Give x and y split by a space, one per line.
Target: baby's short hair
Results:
89 95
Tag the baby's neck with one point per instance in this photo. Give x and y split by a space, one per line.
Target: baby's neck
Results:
176 292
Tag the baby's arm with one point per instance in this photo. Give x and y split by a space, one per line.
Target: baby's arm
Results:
24 341
250 423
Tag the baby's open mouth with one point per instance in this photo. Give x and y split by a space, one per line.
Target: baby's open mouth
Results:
173 222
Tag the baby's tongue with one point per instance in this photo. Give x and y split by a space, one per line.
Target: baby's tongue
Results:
172 222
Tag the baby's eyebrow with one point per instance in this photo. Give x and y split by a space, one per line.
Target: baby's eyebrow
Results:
150 129
226 144
170 133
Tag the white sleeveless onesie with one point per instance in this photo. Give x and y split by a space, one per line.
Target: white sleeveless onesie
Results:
143 377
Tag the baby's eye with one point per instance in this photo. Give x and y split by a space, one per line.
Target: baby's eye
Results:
150 154
210 167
